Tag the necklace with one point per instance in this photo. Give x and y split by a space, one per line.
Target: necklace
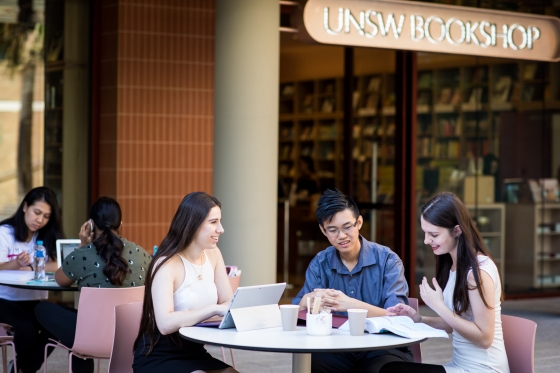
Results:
200 277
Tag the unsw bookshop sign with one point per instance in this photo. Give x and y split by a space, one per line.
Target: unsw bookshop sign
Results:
433 28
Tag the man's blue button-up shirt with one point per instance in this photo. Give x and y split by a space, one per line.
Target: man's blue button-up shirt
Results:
377 279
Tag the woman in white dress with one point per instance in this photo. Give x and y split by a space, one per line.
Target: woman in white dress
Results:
466 293
186 283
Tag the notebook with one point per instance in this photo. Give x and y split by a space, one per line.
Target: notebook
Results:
65 247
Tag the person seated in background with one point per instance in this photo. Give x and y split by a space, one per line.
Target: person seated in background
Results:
307 184
352 273
186 283
104 260
36 219
467 292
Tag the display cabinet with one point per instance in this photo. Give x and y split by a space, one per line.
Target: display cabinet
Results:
533 245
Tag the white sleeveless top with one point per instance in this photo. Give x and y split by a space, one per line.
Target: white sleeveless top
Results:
467 357
194 293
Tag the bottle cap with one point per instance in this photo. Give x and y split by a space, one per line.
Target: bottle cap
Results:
39 242
40 254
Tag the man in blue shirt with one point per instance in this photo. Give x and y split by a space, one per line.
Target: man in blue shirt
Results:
352 273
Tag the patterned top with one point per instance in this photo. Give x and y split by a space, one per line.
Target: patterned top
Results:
85 266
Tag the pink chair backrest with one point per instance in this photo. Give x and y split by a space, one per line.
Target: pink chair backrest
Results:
3 329
415 348
234 281
95 327
127 323
519 340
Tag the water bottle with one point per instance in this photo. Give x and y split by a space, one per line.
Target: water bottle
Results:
40 259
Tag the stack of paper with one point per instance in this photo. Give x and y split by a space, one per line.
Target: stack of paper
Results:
16 275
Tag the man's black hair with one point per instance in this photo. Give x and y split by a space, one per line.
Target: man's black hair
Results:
332 202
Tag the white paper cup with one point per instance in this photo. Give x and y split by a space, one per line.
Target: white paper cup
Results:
357 320
320 324
289 313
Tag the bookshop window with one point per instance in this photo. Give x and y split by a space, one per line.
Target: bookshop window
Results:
21 100
488 130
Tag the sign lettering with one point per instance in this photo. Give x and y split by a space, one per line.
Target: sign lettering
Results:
433 28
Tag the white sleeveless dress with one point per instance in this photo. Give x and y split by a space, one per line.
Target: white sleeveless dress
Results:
466 356
194 293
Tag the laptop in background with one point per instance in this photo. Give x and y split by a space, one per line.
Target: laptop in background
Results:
64 247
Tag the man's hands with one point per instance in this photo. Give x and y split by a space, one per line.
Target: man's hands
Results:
335 300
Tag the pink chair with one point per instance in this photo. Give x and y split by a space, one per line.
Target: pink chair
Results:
95 328
127 324
5 341
519 340
234 282
415 348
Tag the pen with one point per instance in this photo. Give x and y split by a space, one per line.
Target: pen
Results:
12 255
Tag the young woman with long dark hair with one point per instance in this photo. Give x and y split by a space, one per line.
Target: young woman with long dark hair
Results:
186 283
36 219
104 260
466 293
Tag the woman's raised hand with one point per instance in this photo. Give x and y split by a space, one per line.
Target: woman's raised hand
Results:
86 234
24 259
404 310
432 297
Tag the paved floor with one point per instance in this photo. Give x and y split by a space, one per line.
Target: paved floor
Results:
545 311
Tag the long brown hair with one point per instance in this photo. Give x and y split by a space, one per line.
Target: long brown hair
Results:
446 210
190 215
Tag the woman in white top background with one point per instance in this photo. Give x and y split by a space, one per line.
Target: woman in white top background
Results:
186 283
36 219
466 294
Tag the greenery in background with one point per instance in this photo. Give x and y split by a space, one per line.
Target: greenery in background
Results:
21 45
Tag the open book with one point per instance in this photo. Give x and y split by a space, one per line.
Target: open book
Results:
399 325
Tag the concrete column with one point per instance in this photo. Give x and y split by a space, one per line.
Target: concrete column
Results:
246 134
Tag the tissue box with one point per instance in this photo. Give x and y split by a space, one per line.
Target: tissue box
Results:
481 186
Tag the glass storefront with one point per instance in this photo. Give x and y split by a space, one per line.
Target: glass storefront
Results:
21 100
488 130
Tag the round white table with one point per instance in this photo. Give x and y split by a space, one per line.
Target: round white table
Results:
36 285
297 342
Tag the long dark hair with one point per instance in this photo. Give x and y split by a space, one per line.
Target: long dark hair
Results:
447 211
50 232
190 215
107 216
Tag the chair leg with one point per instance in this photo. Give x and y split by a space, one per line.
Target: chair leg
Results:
232 358
14 356
5 359
70 362
223 355
98 365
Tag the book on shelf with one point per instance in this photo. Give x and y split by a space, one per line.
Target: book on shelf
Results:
425 80
355 99
502 89
530 71
479 75
328 105
400 325
374 84
528 93
445 96
307 104
288 90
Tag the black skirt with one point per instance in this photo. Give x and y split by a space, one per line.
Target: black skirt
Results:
167 356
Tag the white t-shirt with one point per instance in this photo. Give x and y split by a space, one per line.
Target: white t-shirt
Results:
468 357
9 248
